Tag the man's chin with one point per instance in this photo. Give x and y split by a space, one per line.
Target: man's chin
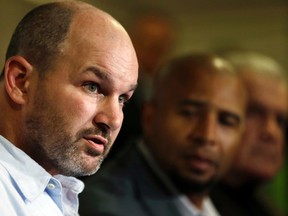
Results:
92 166
194 185
88 165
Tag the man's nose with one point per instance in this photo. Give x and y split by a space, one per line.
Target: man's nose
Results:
109 114
204 131
270 129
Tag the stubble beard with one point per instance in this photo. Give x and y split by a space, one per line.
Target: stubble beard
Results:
52 146
192 186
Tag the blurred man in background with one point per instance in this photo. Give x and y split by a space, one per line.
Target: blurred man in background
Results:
261 153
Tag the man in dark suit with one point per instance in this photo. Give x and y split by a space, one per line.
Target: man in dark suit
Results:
192 125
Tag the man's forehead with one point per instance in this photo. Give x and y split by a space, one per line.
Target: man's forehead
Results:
210 102
272 94
263 81
269 106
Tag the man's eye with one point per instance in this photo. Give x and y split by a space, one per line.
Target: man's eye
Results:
123 100
190 112
229 120
91 87
281 121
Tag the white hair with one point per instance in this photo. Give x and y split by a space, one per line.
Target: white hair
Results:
255 62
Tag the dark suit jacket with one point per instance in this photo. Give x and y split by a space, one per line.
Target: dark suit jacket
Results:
242 201
127 186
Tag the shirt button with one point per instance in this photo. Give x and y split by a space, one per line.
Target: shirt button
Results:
51 186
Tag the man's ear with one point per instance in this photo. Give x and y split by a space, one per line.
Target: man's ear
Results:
17 73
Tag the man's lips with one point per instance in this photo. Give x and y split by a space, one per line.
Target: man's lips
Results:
200 162
97 142
97 139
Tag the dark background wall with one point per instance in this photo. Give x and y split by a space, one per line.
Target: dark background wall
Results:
260 25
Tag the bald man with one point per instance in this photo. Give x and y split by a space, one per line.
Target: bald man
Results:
192 126
69 70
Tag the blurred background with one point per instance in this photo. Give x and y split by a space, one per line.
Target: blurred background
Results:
203 25
259 25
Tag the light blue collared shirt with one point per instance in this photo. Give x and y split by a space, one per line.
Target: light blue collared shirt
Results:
26 189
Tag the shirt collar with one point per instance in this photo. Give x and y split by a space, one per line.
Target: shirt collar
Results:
70 183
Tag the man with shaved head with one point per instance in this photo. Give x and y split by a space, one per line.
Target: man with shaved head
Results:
192 125
69 70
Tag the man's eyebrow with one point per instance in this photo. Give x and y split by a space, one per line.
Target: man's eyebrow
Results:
99 73
105 76
133 87
198 103
191 102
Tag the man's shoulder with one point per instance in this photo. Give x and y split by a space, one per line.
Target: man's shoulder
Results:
118 173
10 197
6 181
112 191
240 201
125 186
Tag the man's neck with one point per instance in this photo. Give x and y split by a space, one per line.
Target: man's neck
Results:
197 199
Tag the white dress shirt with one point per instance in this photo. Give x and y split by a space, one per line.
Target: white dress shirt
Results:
26 189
